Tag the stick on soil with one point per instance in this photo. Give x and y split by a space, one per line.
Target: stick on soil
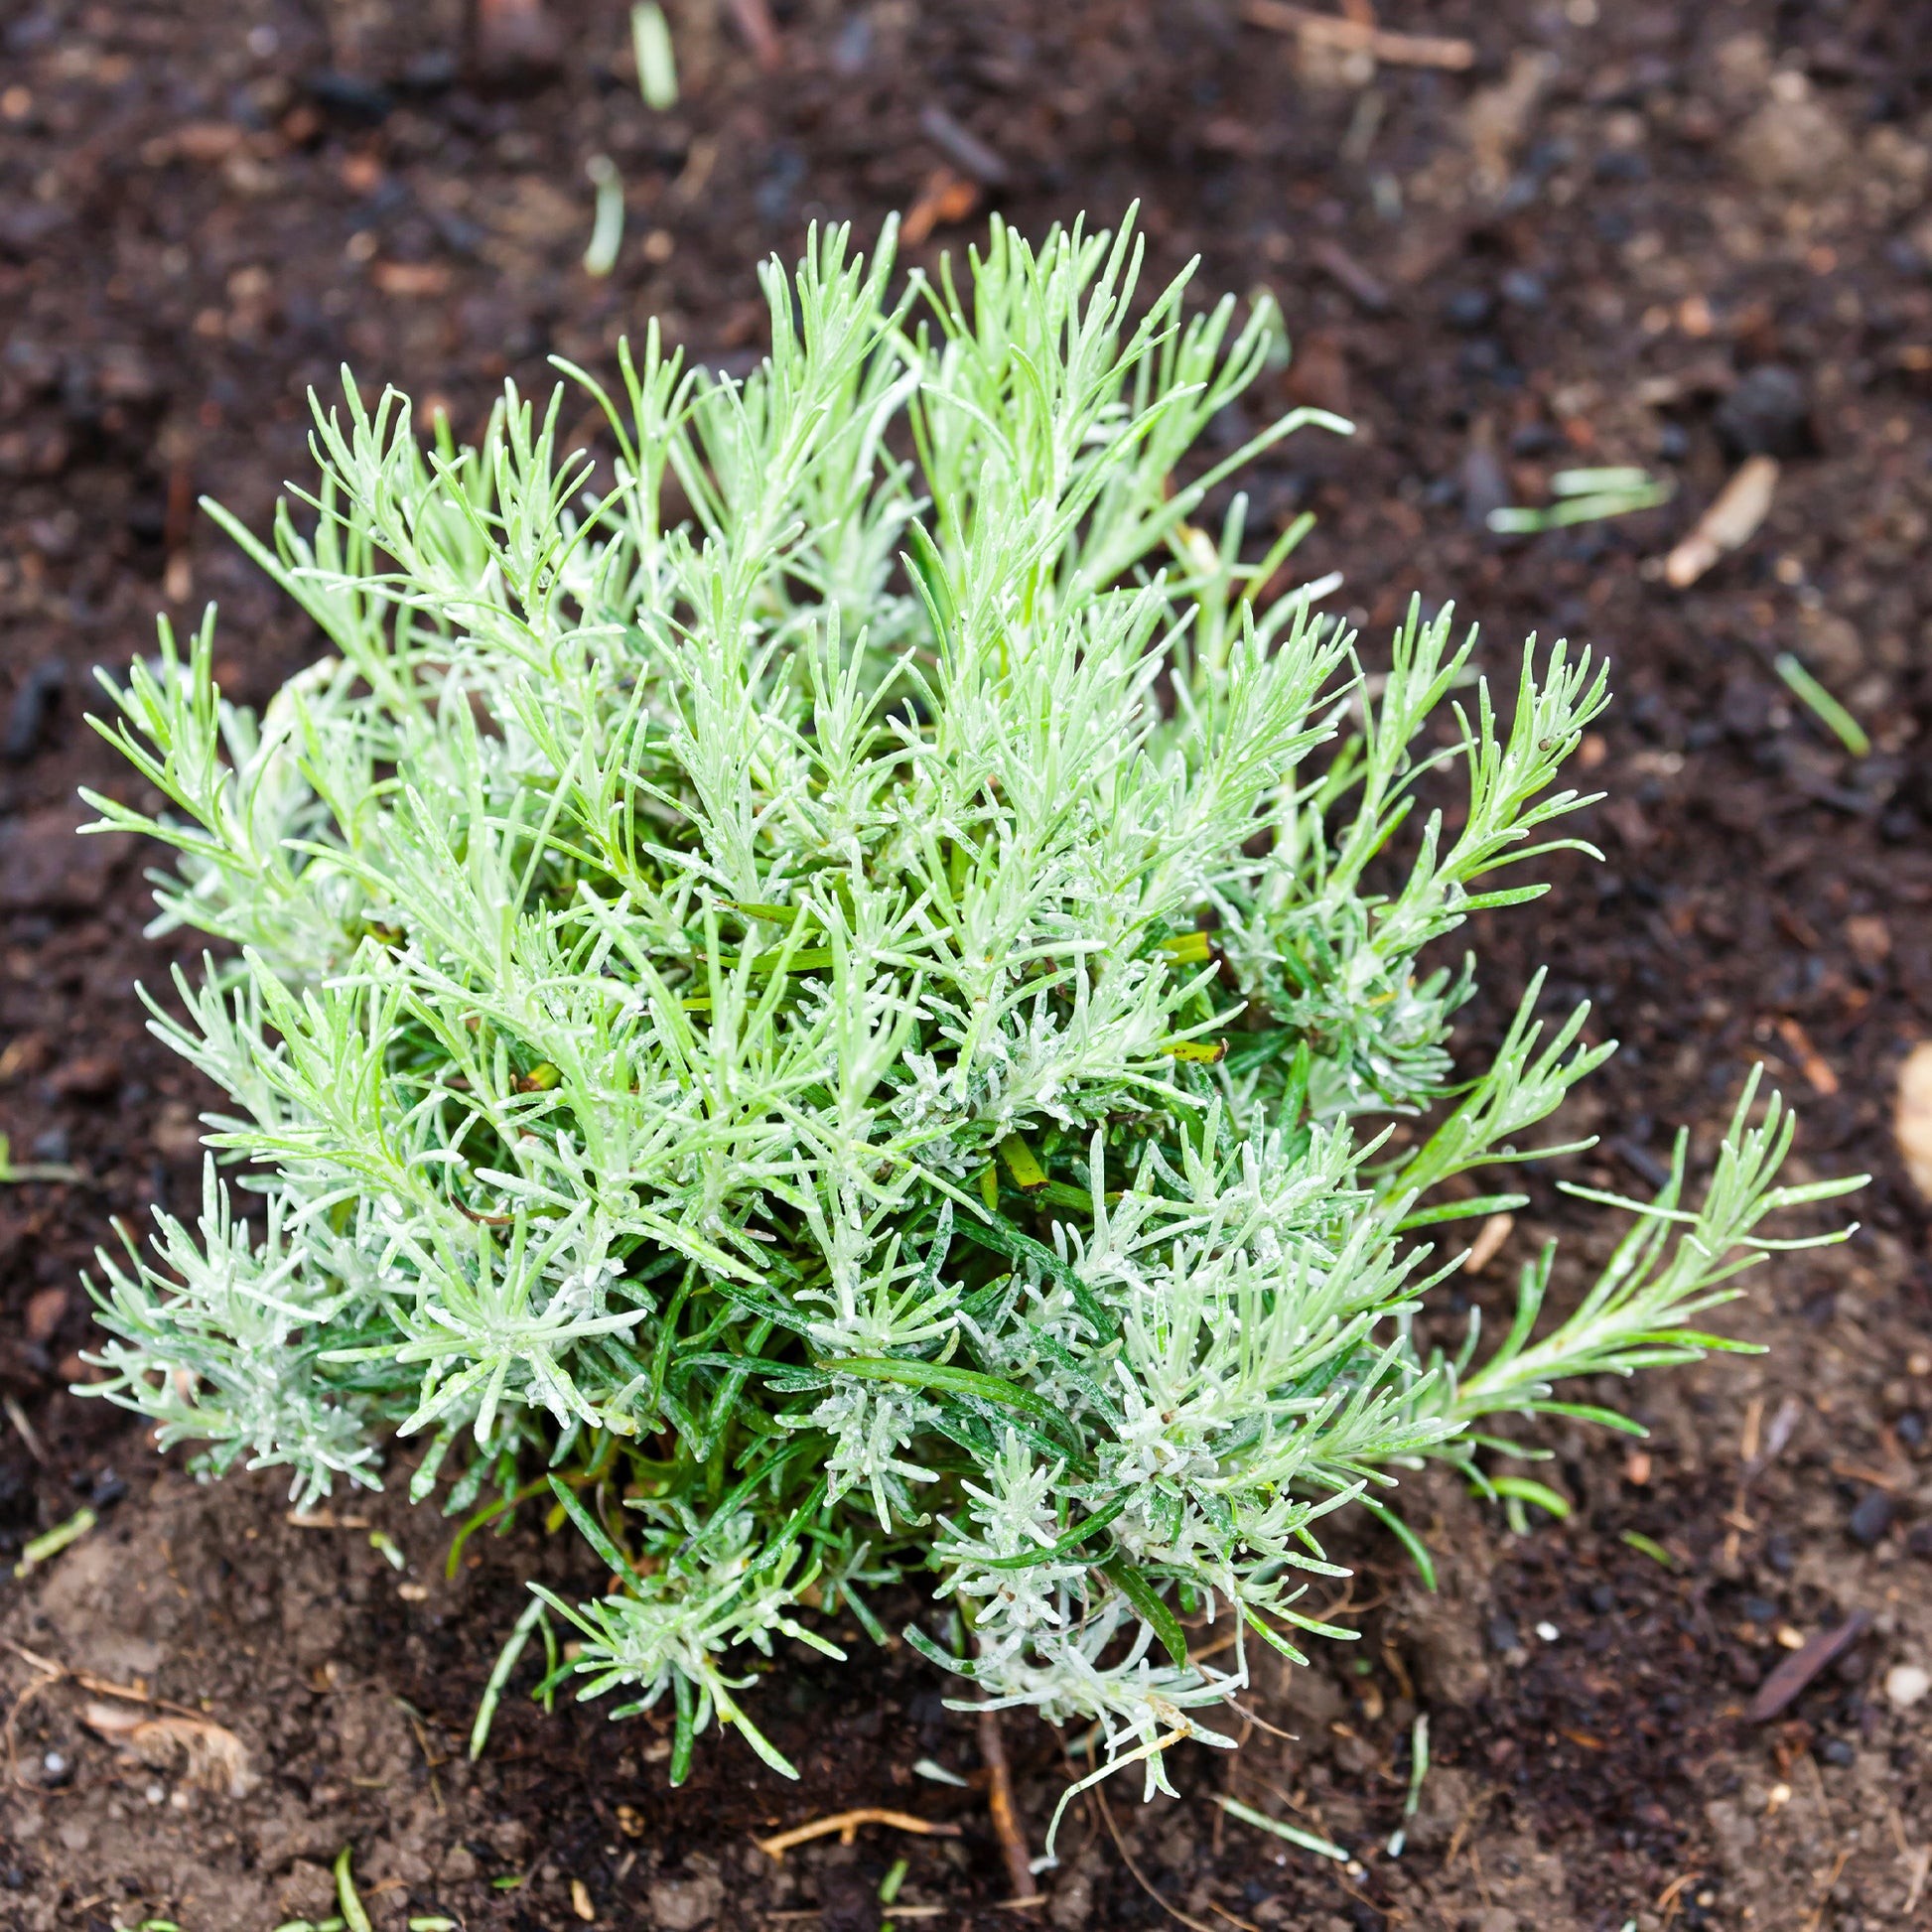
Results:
1006 1820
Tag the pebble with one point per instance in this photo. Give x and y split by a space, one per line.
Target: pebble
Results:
1872 1518
1548 1633
1523 290
1502 1634
1791 144
33 699
89 1077
1468 309
360 101
1906 1684
1768 413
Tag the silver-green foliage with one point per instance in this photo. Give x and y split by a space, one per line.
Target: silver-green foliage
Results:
856 1031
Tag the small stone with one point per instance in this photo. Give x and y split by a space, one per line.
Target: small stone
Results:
1906 1684
1523 290
1768 413
1759 1609
1318 375
847 1901
1836 1750
458 1866
510 1839
1794 143
43 1313
684 1905
1547 1631
1872 1518
177 1133
306 1888
1502 1634
1072 1903
91 1076
1468 309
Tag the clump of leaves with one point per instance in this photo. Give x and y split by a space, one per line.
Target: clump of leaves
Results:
849 1035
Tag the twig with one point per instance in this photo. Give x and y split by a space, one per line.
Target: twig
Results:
963 148
1140 1877
1360 37
1816 1915
847 1822
753 19
54 1672
1667 1897
1338 262
1918 1880
999 1799
18 1417
1246 1925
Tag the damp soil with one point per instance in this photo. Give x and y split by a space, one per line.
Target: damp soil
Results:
1664 236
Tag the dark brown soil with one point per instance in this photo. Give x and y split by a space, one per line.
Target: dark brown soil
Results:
1633 233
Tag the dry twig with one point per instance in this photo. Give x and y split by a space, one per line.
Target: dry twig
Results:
1140 1877
752 18
846 1824
1355 36
1006 1820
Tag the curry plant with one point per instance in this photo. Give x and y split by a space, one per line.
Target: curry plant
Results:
834 1000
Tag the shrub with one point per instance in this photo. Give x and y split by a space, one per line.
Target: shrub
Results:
864 1029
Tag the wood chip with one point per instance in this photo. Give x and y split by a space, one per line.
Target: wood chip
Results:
1913 1117
1783 1686
1729 523
1489 1238
946 198
1357 36
209 1754
410 278
1811 1063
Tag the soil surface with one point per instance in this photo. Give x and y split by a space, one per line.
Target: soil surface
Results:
1664 236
